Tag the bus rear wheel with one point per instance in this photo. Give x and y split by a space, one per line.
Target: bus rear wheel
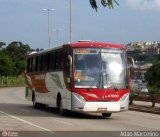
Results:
106 115
35 104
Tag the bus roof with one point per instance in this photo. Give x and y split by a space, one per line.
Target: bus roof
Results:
96 44
43 51
83 44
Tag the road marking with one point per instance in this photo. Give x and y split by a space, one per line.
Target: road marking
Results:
63 122
24 121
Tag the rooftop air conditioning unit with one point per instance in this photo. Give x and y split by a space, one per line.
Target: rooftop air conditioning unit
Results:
85 41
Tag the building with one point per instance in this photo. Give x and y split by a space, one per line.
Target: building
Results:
154 50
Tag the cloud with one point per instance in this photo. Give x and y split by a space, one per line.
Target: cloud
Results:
144 4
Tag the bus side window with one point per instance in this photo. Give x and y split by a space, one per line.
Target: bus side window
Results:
33 64
58 59
28 65
51 61
48 60
36 65
66 64
39 66
44 63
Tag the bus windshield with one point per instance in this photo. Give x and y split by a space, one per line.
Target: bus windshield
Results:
100 68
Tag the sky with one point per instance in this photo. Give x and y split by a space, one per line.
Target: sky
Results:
131 21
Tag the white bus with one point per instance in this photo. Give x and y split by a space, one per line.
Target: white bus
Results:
82 76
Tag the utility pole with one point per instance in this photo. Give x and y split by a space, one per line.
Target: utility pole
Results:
49 37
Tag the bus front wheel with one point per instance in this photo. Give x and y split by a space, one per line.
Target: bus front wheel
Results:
60 107
106 115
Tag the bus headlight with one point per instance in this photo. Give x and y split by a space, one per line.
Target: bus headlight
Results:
79 97
124 97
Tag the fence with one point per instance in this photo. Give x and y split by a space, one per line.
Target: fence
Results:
11 81
147 97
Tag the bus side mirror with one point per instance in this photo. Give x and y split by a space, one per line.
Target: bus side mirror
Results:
131 66
70 64
131 62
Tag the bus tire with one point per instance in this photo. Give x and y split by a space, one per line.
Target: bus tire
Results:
60 106
106 115
35 104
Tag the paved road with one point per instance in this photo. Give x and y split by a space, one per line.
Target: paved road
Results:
17 114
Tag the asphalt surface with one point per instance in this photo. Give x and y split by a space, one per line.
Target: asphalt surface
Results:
19 118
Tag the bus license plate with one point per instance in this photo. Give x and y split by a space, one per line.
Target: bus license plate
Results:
102 109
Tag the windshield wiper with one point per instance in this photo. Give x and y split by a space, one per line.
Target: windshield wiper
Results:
114 87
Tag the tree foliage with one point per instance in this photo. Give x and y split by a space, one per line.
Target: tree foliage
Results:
13 58
153 76
138 55
105 3
17 50
6 65
2 44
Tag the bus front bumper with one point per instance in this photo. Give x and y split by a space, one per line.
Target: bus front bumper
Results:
99 107
78 104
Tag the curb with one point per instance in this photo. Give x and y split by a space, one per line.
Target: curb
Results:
148 109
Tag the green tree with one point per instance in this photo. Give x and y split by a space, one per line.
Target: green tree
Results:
6 65
153 76
105 3
2 44
19 66
17 50
138 55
